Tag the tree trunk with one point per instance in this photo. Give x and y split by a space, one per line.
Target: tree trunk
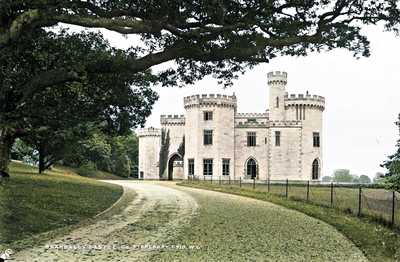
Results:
6 142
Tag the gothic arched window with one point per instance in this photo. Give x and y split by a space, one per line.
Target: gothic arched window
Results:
315 169
251 168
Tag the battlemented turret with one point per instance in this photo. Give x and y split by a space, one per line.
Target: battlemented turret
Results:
277 84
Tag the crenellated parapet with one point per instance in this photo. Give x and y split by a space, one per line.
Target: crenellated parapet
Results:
243 124
149 132
210 100
305 100
292 123
260 115
277 78
172 120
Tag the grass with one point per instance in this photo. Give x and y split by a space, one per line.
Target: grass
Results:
376 241
33 203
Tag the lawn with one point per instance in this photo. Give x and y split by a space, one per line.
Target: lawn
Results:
33 203
376 241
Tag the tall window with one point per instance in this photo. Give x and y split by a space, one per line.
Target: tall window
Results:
208 116
277 102
315 169
225 167
207 167
208 137
191 167
251 169
251 139
316 139
277 138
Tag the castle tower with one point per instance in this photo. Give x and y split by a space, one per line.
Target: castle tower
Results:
308 109
149 148
209 135
277 84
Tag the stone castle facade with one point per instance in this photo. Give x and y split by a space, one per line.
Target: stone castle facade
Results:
285 142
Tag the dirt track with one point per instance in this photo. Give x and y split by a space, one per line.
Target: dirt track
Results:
129 228
236 229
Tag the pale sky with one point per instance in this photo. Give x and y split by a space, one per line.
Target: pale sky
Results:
362 98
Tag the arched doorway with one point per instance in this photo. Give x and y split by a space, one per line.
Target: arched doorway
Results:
174 166
315 169
251 167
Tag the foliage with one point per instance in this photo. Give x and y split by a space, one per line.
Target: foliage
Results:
392 176
181 148
52 114
326 179
378 178
343 175
364 179
164 152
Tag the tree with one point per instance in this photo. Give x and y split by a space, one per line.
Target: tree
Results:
392 176
164 152
218 38
343 175
326 179
104 98
181 148
378 178
364 179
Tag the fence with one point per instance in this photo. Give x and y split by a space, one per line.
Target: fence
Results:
354 198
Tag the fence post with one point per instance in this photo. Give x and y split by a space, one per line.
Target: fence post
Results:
269 182
229 180
204 179
287 187
240 182
359 202
211 179
331 193
220 178
198 180
394 196
308 190
254 183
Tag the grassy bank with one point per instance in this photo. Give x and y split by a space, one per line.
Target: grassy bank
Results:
33 203
376 241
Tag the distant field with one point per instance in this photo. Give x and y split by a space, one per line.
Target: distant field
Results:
33 203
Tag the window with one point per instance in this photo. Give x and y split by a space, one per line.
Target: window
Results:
225 167
207 167
277 102
251 169
316 140
191 167
208 116
277 138
300 112
208 137
315 169
251 139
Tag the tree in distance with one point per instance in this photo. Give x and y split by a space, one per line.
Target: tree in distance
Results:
343 175
392 176
378 178
207 37
364 179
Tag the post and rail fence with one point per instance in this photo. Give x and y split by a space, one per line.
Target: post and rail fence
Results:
354 198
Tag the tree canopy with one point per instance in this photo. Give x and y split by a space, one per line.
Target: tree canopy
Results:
207 36
392 176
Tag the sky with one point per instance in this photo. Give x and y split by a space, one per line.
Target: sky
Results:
362 98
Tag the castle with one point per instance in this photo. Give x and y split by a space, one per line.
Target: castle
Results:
285 142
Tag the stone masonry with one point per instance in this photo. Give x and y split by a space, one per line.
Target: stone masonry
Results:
284 142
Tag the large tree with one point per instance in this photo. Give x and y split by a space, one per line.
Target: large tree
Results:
47 118
392 176
205 37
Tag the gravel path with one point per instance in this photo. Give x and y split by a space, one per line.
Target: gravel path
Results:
224 228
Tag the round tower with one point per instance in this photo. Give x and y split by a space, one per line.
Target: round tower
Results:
209 135
149 148
277 84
